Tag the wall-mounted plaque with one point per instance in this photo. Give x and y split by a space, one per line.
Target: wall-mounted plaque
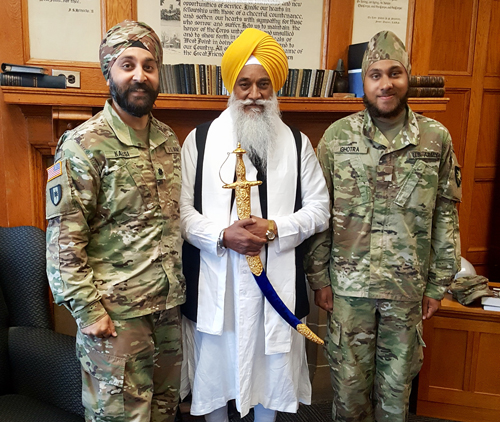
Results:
199 31
65 29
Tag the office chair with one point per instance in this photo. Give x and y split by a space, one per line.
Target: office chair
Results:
40 379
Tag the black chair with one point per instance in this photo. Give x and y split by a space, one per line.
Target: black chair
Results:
40 379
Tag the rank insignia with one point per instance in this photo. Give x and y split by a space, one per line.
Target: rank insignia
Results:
55 194
54 171
458 176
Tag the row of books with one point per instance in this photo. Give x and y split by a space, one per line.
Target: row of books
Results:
426 86
201 79
193 79
29 76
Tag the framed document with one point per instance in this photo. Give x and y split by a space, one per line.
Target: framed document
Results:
64 29
199 31
373 16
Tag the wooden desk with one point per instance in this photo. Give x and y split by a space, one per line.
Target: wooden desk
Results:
460 378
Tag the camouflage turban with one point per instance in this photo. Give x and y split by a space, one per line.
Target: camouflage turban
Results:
121 37
264 48
385 46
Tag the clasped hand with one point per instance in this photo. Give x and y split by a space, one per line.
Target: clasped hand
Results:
246 236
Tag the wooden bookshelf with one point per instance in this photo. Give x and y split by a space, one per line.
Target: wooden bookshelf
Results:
78 98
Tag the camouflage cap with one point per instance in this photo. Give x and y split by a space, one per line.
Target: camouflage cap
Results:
469 288
385 46
121 37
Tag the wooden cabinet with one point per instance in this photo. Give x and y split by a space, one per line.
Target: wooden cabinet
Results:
460 378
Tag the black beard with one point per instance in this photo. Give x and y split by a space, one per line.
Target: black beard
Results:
120 97
377 113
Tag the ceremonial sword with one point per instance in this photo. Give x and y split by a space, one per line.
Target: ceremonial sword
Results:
242 194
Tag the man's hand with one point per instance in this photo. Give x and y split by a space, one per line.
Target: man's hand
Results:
103 328
324 298
259 228
241 240
429 307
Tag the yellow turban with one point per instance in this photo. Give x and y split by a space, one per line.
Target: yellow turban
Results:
265 49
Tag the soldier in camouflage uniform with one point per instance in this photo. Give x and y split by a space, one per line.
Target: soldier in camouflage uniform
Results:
114 241
393 244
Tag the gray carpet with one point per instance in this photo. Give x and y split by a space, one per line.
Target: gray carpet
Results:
320 412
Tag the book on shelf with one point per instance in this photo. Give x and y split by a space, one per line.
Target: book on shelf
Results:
304 87
203 79
329 83
318 82
32 80
163 79
427 81
18 68
300 75
170 79
218 86
293 82
491 301
312 80
491 308
425 91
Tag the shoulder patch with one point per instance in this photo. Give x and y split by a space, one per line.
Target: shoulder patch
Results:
54 171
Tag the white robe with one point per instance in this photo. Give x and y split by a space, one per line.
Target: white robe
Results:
241 348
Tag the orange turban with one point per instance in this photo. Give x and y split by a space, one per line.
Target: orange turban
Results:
265 49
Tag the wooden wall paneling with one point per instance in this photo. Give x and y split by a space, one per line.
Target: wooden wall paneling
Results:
482 214
455 118
114 12
454 31
12 120
421 41
339 31
488 146
455 372
444 367
493 57
467 207
487 371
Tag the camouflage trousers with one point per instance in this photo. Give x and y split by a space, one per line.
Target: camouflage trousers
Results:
374 348
136 375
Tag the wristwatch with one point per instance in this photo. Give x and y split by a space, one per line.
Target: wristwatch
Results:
270 234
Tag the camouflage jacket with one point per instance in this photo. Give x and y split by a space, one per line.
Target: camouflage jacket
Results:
113 239
394 227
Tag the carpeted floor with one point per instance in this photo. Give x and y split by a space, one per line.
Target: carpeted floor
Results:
320 412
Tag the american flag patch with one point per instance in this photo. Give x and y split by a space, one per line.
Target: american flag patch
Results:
54 171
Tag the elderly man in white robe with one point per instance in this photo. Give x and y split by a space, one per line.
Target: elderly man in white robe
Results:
236 345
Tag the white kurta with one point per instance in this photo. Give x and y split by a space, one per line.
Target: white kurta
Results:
241 348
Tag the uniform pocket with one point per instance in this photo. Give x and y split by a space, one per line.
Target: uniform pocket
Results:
410 184
418 356
351 187
127 195
332 345
103 384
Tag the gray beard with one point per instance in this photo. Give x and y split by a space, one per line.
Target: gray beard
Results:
255 130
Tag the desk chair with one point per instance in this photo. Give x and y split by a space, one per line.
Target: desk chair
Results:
40 379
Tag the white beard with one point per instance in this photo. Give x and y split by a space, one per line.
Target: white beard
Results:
255 130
